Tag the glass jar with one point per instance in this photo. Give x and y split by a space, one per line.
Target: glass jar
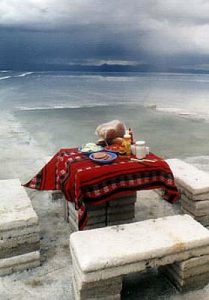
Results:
140 149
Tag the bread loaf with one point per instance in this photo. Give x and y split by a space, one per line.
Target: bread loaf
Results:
110 130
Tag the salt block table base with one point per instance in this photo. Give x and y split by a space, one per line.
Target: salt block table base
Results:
19 229
193 185
117 211
101 257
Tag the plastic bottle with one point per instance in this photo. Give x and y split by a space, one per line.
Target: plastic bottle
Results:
132 136
127 142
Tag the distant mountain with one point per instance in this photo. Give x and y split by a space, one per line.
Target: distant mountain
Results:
78 67
102 68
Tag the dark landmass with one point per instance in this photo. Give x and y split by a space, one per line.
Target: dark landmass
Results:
111 68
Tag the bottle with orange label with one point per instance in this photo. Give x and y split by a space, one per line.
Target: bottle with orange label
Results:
127 142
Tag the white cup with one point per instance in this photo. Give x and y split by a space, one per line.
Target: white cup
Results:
140 150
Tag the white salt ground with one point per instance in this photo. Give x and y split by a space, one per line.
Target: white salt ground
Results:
22 157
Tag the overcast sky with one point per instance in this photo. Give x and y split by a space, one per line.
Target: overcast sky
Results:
164 32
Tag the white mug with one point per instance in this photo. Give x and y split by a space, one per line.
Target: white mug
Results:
140 150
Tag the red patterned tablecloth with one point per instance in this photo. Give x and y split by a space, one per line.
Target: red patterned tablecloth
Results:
84 181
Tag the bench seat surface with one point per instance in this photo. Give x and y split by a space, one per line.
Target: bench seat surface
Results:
188 176
125 244
15 206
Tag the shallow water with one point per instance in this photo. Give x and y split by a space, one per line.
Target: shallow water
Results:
167 135
169 111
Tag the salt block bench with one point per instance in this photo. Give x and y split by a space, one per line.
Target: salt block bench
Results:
100 257
193 185
19 229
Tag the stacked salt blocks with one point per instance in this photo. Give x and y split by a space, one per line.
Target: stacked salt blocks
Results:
96 216
117 211
121 210
189 274
19 230
107 289
101 257
193 185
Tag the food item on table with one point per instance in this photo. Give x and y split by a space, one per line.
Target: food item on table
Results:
110 130
122 150
101 155
116 148
90 147
117 141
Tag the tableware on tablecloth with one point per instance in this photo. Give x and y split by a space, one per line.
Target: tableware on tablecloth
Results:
140 150
103 157
143 160
90 148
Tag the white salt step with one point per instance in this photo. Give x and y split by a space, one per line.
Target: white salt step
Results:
204 220
16 210
19 263
189 177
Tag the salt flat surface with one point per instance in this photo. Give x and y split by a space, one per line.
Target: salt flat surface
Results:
22 157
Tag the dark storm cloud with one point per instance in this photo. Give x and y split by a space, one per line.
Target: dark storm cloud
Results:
66 31
66 46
